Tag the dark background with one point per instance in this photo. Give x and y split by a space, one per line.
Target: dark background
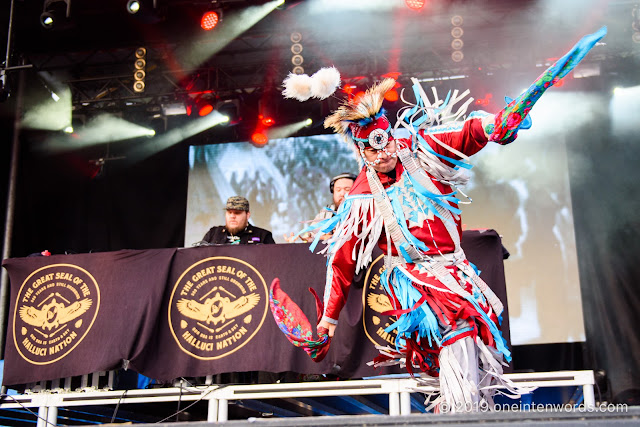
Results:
66 203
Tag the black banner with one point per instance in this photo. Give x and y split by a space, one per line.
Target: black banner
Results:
195 312
77 314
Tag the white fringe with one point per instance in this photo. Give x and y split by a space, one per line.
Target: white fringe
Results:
361 216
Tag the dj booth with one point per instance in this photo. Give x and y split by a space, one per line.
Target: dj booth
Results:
193 312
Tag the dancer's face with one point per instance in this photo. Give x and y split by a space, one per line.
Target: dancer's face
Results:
387 161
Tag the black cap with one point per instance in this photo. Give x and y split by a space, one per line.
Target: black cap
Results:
342 175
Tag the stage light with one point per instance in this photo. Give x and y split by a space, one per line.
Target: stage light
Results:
133 6
296 50
139 65
308 122
259 138
210 19
205 109
203 106
391 96
297 60
348 88
174 108
415 4
230 109
55 13
267 121
146 11
68 129
457 44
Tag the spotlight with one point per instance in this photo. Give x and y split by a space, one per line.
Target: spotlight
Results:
457 44
297 60
391 96
202 106
139 74
210 19
267 121
205 110
174 109
308 122
415 4
457 56
230 108
55 13
146 10
259 138
133 6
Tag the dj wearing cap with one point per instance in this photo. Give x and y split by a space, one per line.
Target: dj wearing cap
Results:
237 230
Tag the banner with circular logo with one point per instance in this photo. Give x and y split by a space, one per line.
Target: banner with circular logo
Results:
55 309
217 306
375 302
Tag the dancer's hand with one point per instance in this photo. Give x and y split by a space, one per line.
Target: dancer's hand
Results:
330 328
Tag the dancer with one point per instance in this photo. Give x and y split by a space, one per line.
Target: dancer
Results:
405 200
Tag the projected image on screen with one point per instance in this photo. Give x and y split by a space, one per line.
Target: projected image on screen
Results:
521 191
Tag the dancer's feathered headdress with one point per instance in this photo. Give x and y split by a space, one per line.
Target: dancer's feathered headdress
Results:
353 115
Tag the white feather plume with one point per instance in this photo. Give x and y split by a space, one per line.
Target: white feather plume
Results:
325 82
297 86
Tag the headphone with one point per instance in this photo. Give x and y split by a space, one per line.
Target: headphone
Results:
342 175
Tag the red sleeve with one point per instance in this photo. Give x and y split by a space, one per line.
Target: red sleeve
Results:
468 140
342 269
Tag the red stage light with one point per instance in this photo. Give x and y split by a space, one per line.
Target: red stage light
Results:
267 121
358 96
348 88
415 4
205 109
391 75
209 20
259 138
391 96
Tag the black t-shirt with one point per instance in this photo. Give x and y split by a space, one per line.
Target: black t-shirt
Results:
250 235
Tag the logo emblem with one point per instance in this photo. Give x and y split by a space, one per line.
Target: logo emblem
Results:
217 306
375 302
55 309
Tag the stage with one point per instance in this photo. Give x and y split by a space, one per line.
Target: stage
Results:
325 402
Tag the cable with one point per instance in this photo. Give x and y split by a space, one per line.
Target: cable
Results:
189 406
115 411
2 396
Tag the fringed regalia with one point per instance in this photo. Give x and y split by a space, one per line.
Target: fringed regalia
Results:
447 316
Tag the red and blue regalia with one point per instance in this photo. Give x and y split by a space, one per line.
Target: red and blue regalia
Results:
447 316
